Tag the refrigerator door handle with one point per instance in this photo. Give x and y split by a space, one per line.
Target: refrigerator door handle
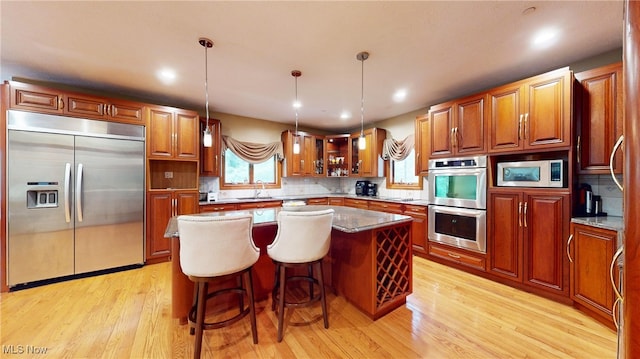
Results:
67 193
611 159
79 192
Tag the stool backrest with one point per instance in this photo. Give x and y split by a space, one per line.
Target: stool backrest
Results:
302 236
212 246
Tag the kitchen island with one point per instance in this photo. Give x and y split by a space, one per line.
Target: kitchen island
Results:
369 262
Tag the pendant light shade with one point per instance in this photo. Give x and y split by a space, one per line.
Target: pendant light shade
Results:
362 142
207 140
296 105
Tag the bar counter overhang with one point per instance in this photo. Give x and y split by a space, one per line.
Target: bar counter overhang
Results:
369 262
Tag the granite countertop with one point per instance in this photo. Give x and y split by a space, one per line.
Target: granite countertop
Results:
607 222
419 202
345 219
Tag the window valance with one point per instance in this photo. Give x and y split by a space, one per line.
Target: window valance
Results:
397 150
253 152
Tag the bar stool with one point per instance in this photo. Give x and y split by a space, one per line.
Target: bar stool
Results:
302 240
213 247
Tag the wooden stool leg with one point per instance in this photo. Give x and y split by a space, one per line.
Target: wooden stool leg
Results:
202 295
323 297
275 286
310 274
240 284
281 303
252 306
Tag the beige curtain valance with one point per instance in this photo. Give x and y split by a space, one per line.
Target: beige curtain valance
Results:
397 150
253 152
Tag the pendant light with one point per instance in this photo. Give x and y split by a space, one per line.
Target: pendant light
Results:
362 142
296 105
207 139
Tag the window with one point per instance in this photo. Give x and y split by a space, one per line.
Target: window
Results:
238 173
401 174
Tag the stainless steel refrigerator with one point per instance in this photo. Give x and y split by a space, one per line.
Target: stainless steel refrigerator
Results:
75 193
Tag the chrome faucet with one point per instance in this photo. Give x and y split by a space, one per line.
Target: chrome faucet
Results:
257 191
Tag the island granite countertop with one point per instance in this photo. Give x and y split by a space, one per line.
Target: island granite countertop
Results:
345 219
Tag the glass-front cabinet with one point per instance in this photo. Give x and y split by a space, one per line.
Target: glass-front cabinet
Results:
337 156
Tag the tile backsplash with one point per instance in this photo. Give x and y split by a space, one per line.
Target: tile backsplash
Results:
603 186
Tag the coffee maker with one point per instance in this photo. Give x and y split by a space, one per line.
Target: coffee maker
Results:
372 189
362 188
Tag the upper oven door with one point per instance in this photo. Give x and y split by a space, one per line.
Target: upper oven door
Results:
459 187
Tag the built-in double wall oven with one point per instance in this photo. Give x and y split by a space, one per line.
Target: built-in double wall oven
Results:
458 202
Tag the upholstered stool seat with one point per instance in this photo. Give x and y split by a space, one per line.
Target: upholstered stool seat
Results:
303 240
218 247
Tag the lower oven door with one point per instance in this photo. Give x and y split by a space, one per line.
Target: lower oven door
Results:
459 227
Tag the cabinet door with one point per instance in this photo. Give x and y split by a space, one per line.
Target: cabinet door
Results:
546 227
441 140
599 112
187 202
422 146
160 132
210 156
187 138
319 168
356 203
547 121
87 106
36 98
470 128
122 111
504 234
505 108
592 253
308 155
160 210
418 227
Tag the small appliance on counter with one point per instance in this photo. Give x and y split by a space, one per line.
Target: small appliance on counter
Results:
372 189
212 197
362 188
589 205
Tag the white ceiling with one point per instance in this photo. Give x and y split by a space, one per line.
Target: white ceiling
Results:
434 50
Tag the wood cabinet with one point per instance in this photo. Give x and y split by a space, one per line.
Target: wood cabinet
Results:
172 134
337 155
388 207
47 100
260 204
210 157
458 127
303 163
418 227
336 201
161 206
456 255
531 114
598 112
526 232
422 144
322 200
356 203
590 254
218 207
367 162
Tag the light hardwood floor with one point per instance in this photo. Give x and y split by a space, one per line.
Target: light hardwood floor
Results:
451 314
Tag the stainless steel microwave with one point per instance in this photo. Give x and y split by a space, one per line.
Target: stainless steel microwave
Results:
547 173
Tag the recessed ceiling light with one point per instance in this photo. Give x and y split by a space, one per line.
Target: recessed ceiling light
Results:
545 38
297 104
345 115
166 75
400 95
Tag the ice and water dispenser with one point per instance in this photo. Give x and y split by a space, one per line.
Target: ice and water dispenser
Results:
42 198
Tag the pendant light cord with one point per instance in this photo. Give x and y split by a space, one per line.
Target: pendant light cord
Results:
296 105
362 97
206 83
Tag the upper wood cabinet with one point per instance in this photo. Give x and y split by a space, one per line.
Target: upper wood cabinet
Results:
336 156
598 111
458 128
210 156
367 162
46 100
172 134
531 114
422 144
306 162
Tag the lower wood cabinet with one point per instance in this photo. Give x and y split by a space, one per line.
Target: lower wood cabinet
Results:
418 228
590 253
458 256
387 207
336 201
356 203
321 200
218 207
161 206
526 232
265 204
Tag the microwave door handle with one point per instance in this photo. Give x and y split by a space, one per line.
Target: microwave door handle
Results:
611 159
